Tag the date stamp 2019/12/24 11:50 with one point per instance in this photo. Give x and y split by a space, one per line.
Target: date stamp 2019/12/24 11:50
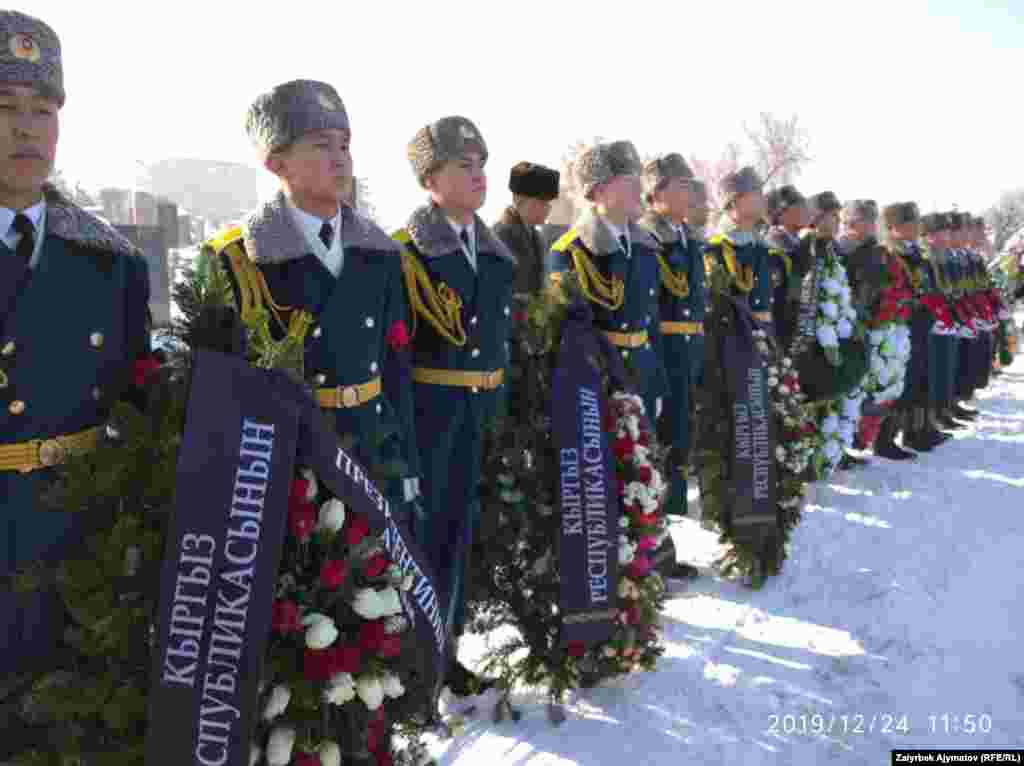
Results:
828 724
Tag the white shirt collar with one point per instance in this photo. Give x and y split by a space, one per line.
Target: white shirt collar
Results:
36 214
310 226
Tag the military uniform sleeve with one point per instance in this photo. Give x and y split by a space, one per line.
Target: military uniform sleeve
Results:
397 370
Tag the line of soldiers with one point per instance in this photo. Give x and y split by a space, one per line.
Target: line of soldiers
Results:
410 333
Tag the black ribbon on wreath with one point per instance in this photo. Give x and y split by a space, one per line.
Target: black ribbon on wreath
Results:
588 490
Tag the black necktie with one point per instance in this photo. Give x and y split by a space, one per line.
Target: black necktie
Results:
624 243
464 236
326 235
27 243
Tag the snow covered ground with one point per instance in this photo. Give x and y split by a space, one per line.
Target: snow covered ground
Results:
897 622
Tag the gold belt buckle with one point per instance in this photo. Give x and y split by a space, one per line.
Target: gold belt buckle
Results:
349 395
51 452
491 379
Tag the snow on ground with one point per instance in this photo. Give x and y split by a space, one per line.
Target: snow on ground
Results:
897 617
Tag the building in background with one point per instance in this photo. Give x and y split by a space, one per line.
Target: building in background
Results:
150 240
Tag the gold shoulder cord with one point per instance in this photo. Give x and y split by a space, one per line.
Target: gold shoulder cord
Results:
677 283
253 292
609 293
440 306
743 277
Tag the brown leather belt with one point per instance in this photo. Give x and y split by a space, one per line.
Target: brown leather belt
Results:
342 397
35 454
462 378
681 328
627 339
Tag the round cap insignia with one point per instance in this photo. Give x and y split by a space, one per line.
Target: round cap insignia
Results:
467 133
327 102
25 48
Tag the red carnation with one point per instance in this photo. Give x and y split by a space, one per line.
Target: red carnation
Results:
333 573
398 336
285 616
623 447
316 665
358 527
384 758
375 565
371 633
519 317
576 649
344 659
143 368
646 520
302 520
643 439
644 474
307 759
390 646
297 493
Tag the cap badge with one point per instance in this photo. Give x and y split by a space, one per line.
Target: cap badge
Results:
25 48
327 102
467 133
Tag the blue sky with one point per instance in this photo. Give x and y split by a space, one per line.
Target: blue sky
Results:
901 99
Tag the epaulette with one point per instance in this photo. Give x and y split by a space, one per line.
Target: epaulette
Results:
562 243
402 237
221 240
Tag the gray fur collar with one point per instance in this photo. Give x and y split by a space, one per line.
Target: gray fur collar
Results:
434 236
68 221
598 238
271 235
660 228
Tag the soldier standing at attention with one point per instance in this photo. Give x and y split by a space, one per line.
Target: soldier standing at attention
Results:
321 269
74 332
615 262
681 326
459 278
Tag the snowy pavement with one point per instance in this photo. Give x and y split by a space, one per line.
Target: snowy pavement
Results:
897 622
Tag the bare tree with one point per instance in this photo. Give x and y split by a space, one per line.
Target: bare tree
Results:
1005 219
779 148
566 208
362 199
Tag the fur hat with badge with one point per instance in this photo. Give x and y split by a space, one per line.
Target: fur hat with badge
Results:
282 115
743 181
824 203
30 55
447 139
659 171
536 181
601 163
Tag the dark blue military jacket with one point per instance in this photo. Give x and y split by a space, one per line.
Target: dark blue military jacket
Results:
353 316
638 312
783 289
748 261
68 341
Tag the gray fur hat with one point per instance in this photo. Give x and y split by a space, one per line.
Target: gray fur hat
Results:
282 115
662 169
782 199
743 181
900 213
602 162
860 211
442 141
30 55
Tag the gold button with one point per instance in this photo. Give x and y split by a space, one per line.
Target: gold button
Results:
320 378
96 339
51 452
9 348
317 332
16 407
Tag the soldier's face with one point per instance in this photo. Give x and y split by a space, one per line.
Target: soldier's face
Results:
904 231
316 167
750 206
534 211
796 217
622 195
29 128
862 229
460 184
674 199
827 224
698 213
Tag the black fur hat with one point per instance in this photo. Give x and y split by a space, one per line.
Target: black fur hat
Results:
532 180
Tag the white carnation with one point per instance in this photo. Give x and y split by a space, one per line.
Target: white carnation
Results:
392 686
340 689
370 691
279 746
280 696
373 604
330 753
320 633
332 515
255 753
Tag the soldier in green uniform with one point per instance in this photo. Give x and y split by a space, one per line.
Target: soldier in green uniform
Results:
459 278
681 325
74 329
322 270
616 262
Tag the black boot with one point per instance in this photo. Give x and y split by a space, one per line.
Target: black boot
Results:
849 461
945 419
964 413
885 444
932 429
916 436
